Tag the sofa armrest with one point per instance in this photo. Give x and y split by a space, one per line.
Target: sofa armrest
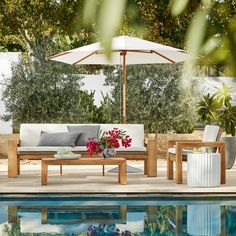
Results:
12 158
13 144
152 157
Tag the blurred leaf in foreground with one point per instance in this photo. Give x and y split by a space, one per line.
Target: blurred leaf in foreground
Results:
108 14
212 34
178 6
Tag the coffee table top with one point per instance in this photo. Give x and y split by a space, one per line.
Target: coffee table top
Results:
85 161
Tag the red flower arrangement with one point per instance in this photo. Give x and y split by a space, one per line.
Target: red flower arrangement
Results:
108 140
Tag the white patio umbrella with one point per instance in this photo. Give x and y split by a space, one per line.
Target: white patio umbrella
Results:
126 51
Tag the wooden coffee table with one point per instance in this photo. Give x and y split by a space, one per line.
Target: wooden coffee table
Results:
121 162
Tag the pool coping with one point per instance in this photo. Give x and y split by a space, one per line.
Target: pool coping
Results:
115 196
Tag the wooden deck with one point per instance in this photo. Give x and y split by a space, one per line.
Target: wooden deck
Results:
89 179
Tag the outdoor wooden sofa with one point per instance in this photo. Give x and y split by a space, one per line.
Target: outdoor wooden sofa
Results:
178 150
27 147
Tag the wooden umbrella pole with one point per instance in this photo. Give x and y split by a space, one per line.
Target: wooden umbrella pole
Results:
124 85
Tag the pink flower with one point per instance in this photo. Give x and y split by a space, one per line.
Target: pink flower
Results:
109 139
93 147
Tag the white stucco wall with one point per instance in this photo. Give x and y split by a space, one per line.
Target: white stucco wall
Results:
96 83
6 59
211 84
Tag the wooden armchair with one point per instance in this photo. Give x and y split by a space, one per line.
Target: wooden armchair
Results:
178 150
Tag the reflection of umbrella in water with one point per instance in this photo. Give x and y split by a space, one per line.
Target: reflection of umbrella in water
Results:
126 51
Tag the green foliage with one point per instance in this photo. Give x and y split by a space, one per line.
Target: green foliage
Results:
23 23
155 97
227 118
217 109
106 112
46 93
212 33
160 25
207 109
223 95
158 223
143 17
11 229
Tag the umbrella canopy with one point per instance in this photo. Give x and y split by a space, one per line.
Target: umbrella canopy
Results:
126 51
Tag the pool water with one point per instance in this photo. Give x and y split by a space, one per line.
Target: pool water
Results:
114 215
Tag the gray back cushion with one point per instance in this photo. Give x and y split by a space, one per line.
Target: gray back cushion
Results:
210 133
58 139
86 132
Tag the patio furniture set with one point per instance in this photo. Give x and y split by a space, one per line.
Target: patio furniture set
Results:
182 150
30 147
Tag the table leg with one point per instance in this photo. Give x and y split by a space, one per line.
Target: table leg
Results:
178 219
12 214
123 213
179 166
145 167
18 166
152 158
119 178
44 215
122 173
44 173
223 165
12 159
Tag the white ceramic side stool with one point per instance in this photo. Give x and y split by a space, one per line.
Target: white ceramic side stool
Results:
203 169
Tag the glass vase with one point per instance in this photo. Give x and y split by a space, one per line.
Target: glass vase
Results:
108 153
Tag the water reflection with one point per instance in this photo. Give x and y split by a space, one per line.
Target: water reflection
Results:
192 218
204 220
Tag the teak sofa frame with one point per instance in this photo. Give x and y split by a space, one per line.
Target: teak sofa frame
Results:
149 157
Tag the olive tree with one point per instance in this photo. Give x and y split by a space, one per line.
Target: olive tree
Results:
156 97
49 92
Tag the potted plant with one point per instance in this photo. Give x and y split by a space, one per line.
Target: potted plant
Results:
227 118
218 109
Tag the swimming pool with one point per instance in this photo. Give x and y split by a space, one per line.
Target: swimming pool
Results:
116 215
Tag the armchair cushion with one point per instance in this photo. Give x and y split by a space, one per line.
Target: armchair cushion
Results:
185 152
211 133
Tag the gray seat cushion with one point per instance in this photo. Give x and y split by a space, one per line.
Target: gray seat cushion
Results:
86 132
58 139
